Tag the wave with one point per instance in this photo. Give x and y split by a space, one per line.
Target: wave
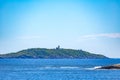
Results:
60 67
52 68
96 67
69 67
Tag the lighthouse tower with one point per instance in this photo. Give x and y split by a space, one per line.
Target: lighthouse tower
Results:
58 47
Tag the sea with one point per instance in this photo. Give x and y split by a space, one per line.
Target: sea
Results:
57 69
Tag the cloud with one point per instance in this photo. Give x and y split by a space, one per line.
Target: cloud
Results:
105 35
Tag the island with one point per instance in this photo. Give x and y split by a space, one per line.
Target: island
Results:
56 53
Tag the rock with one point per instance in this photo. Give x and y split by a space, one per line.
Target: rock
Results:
116 66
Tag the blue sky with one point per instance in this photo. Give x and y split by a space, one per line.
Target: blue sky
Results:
90 25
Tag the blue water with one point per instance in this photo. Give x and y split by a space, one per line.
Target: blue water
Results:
57 69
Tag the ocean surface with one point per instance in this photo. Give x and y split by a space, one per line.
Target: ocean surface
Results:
57 69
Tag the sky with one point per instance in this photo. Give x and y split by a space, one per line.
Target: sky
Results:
90 25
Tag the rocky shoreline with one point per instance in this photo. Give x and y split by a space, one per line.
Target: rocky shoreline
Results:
115 66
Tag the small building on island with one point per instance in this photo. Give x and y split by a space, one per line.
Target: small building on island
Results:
58 47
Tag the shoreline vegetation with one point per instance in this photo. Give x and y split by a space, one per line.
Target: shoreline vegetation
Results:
57 53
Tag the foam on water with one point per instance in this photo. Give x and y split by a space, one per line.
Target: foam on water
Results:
60 67
96 67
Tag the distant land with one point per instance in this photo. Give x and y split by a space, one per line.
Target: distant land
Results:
57 53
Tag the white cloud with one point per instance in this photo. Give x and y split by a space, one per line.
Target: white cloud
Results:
105 35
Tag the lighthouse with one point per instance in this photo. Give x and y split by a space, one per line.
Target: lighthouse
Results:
58 47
